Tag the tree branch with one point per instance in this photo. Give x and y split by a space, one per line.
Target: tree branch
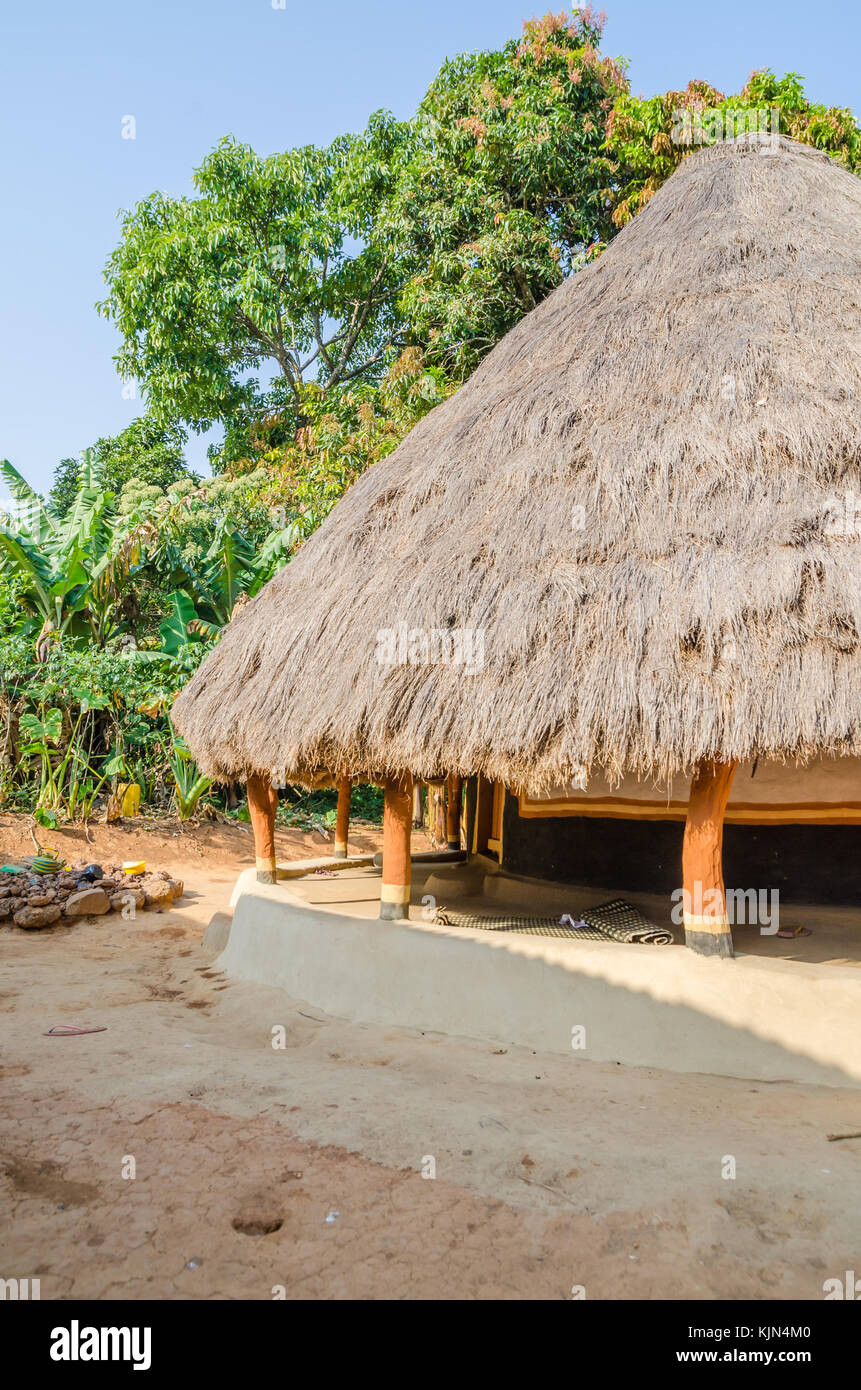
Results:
358 319
285 359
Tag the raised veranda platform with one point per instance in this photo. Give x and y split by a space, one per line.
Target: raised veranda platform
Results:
779 1010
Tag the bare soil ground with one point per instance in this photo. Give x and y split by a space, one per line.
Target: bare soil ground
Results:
263 1171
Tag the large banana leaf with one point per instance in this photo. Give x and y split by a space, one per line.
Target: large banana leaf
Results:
174 628
230 568
20 554
73 566
273 555
83 523
36 516
90 471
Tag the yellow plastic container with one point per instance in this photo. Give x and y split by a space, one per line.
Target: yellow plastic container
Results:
130 796
134 866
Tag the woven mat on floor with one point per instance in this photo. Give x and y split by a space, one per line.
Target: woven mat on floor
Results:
613 921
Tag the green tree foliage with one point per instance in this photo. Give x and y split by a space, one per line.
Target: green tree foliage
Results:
84 574
92 582
320 265
344 433
71 570
507 188
650 136
272 266
226 539
144 451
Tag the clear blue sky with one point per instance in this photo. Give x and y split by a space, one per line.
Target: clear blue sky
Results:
190 71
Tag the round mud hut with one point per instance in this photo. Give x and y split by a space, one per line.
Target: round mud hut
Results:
613 584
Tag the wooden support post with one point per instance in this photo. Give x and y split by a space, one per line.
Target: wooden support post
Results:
262 805
482 827
342 819
397 824
436 814
418 813
707 930
452 812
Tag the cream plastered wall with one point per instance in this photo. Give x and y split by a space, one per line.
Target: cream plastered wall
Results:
825 792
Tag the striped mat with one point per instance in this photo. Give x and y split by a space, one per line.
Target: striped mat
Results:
613 921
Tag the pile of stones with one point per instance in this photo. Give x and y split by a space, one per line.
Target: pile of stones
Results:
83 889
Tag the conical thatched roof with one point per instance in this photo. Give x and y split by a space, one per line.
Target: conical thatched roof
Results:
697 392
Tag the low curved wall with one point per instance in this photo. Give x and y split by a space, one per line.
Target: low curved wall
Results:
662 1007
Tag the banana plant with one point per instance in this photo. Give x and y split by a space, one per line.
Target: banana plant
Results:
182 646
229 570
232 566
74 567
200 609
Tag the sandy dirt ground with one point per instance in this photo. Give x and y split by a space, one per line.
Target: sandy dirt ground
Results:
297 1171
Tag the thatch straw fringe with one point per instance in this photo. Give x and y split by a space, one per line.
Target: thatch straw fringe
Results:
696 393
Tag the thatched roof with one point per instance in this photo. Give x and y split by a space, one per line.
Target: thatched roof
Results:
697 391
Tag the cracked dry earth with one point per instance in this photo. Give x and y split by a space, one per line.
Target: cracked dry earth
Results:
550 1172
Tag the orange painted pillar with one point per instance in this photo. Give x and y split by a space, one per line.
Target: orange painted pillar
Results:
262 805
707 929
342 818
452 812
397 826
